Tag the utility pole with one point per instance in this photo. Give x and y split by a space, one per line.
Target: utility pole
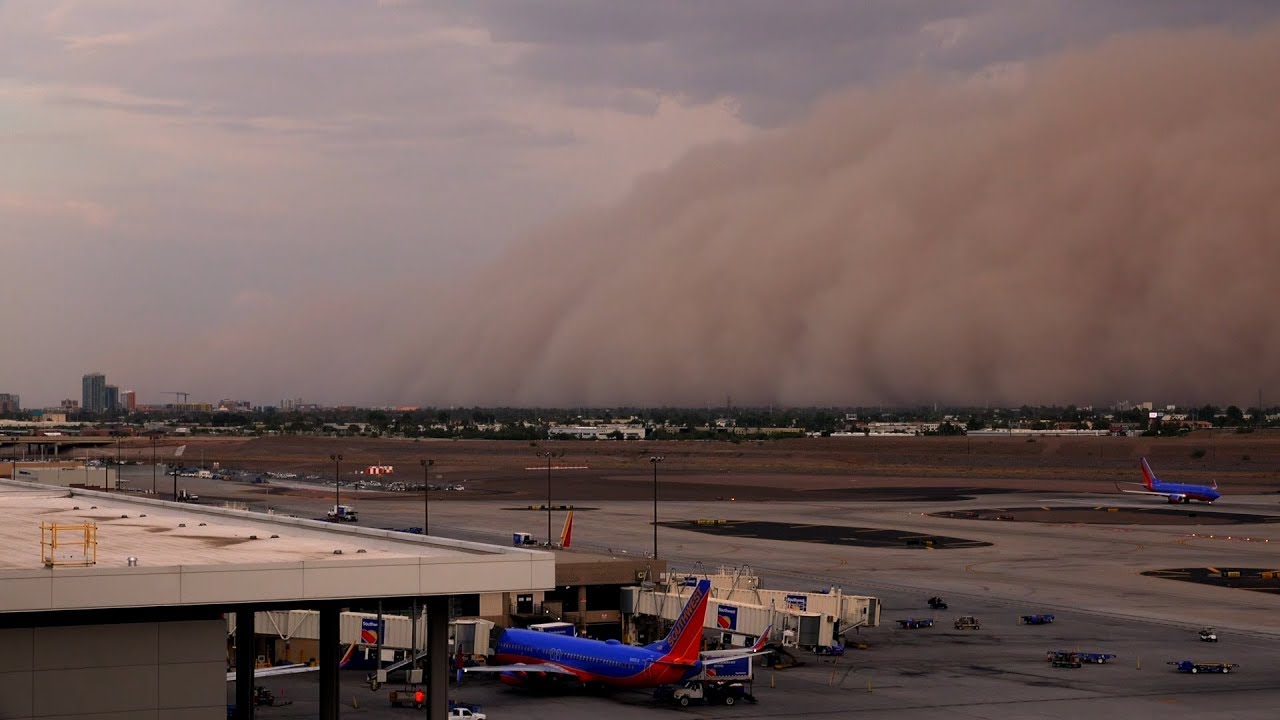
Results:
337 486
654 461
426 495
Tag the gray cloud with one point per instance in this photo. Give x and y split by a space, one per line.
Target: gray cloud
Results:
777 58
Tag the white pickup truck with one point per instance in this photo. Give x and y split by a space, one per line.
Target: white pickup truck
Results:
465 714
344 513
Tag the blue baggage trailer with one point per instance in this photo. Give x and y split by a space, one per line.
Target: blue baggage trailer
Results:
1193 667
1040 619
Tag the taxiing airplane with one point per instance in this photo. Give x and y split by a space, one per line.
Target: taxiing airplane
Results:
529 657
1175 492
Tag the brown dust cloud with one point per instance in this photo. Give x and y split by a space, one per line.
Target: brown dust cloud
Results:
1095 226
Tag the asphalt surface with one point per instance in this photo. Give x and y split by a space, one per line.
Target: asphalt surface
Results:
1090 576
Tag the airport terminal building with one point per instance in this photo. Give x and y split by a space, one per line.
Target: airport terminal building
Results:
115 607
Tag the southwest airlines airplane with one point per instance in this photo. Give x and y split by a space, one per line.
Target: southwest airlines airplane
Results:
529 657
1175 492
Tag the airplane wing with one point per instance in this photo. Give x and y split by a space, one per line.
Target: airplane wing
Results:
714 657
1160 494
737 655
1178 496
278 670
521 667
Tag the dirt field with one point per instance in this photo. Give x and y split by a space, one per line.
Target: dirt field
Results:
793 469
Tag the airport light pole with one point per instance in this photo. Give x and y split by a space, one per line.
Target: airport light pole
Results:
337 485
426 495
654 460
549 454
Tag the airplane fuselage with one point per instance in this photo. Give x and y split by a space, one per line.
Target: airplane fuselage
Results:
1179 492
592 661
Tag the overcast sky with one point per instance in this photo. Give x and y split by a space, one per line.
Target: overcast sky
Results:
174 171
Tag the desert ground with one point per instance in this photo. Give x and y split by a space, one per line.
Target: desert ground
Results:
797 469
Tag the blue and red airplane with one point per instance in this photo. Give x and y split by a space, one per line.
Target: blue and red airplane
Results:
1175 492
529 657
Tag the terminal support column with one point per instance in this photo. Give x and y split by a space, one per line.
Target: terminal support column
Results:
438 657
330 656
244 663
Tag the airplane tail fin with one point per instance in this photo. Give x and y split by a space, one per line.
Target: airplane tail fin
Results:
682 644
1148 478
566 535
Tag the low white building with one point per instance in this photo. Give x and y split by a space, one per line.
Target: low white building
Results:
598 432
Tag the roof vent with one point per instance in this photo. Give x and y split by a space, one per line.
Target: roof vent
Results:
361 550
253 537
133 561
203 524
337 552
182 524
76 507
93 507
143 515
124 517
274 537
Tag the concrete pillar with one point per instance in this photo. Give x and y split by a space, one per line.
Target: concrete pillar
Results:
582 608
244 664
438 657
330 655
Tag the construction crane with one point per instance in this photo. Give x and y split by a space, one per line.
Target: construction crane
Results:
177 395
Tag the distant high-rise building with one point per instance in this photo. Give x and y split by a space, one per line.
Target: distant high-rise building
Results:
9 404
70 405
93 392
111 401
129 400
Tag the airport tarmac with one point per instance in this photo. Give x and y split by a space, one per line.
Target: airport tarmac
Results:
1088 575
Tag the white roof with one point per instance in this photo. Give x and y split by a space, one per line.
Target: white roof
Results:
196 555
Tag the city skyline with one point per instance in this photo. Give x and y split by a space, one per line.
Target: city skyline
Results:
497 203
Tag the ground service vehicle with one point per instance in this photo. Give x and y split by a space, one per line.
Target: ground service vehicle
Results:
780 658
1208 634
1035 619
916 623
1193 667
937 603
1064 659
343 513
1084 657
461 713
968 622
408 698
711 693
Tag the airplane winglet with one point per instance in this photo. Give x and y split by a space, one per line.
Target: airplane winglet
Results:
764 639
